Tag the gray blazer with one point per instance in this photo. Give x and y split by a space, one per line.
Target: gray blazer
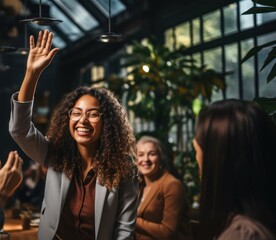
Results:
115 210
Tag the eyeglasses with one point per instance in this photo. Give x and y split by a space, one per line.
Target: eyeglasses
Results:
92 115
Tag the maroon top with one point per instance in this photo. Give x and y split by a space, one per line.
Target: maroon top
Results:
77 218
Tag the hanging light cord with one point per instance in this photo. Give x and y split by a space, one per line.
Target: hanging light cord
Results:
109 14
109 37
40 8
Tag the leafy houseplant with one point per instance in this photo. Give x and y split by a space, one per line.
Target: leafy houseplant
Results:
160 82
160 87
267 6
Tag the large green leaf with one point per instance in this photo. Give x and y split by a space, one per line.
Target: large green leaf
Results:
268 104
272 73
270 57
270 7
271 3
256 10
253 51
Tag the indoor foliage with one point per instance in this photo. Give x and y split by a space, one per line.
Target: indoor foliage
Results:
161 87
265 6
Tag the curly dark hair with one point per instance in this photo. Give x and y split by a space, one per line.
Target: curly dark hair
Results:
113 160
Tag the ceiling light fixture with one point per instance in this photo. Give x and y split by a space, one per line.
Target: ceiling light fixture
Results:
110 37
42 21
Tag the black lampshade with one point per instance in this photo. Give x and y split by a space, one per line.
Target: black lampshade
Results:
42 21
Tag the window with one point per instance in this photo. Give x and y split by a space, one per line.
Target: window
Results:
103 5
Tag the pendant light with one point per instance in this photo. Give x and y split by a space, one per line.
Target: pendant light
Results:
110 37
42 21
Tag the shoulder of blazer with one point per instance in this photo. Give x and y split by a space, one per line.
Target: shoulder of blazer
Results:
167 179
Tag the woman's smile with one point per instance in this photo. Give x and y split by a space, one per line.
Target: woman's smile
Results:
82 130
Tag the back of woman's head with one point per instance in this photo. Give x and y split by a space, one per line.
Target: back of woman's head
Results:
238 140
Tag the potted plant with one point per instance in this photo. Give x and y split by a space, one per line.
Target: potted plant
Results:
160 88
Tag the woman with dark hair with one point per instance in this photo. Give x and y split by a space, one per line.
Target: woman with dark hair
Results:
163 208
91 185
235 148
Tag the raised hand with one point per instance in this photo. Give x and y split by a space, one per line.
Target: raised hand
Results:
41 55
10 175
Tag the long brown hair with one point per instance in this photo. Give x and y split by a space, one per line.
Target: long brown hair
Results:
238 141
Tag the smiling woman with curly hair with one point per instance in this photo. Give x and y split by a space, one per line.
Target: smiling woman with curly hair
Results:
91 185
111 159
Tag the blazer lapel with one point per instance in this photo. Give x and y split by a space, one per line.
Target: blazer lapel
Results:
99 203
148 198
65 182
154 188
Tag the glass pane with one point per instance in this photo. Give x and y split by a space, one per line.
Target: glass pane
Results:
97 72
78 13
66 26
266 89
246 20
57 40
169 39
211 26
232 80
197 58
196 31
116 6
212 60
182 33
230 18
265 17
248 72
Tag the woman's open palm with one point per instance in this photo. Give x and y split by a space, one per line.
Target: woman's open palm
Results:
40 54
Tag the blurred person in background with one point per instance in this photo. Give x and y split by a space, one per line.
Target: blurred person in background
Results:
163 203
